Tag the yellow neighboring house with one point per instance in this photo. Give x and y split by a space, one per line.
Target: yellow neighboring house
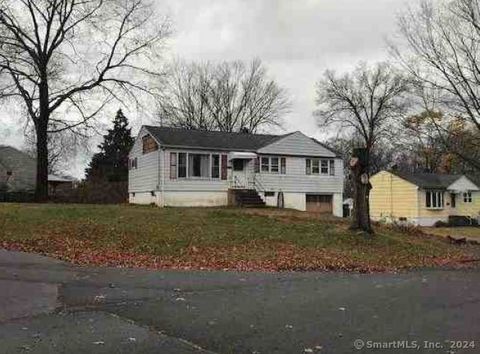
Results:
421 198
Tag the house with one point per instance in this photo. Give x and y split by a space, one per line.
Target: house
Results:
17 170
180 167
423 199
18 173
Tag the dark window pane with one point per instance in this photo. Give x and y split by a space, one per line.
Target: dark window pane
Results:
265 164
182 165
283 166
238 165
215 166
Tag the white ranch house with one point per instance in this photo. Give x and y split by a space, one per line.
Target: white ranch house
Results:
179 167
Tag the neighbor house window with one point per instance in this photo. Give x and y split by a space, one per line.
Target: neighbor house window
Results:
283 166
149 144
434 200
215 166
320 167
467 197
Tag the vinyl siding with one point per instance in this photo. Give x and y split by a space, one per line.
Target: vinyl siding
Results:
461 208
469 209
145 177
296 180
442 214
392 197
297 144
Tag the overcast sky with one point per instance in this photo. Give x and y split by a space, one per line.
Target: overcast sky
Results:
296 39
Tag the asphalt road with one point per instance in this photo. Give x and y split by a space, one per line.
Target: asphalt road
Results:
47 306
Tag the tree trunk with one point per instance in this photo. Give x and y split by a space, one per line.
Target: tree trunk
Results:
41 130
41 187
361 191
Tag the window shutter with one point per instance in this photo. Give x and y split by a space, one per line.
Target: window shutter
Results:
173 165
283 166
224 167
257 165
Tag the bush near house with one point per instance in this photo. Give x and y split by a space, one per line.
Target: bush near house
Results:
217 238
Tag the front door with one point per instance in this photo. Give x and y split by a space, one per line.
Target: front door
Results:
239 174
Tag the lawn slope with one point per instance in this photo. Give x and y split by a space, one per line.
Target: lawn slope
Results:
196 238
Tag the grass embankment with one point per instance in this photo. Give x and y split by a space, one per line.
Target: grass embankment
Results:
471 233
196 238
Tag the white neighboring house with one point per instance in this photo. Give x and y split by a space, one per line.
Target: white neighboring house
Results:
180 167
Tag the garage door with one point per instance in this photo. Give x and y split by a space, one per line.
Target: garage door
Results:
319 203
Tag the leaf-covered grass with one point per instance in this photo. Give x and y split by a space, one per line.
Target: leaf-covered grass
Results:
472 232
218 238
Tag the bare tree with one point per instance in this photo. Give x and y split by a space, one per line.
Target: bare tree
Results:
62 148
440 47
367 103
64 60
230 96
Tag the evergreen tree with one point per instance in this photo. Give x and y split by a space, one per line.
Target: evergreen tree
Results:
111 163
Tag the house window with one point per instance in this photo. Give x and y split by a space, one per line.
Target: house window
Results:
133 163
182 165
467 197
332 167
215 166
186 165
320 167
324 169
269 194
274 165
149 144
434 200
265 164
315 167
198 165
238 165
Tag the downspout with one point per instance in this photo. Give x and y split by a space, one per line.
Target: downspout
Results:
418 204
162 171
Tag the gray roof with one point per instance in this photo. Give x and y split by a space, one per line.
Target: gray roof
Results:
179 137
429 180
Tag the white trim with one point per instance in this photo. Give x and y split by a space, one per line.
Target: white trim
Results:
242 155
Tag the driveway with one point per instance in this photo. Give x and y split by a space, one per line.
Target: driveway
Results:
47 306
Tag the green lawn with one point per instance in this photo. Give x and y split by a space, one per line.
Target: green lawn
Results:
203 238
